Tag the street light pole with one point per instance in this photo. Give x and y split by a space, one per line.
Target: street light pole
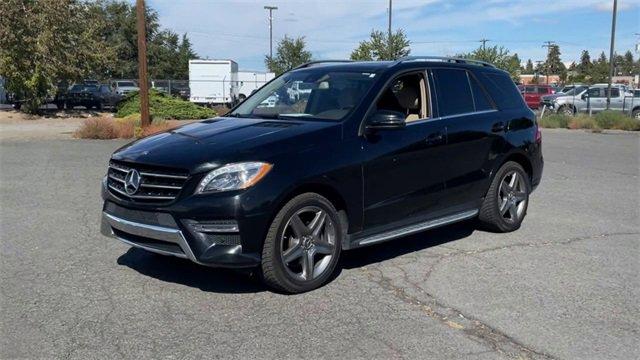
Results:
142 65
611 59
389 33
271 8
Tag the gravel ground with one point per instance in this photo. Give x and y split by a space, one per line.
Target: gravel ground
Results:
565 285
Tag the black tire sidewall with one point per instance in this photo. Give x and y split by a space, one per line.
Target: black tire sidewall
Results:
284 280
492 215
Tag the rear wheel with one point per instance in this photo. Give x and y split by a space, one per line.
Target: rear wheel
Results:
636 114
303 245
505 205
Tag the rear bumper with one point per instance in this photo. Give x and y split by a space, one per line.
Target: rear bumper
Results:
168 239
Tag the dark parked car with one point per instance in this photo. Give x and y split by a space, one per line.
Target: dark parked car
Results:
377 151
90 96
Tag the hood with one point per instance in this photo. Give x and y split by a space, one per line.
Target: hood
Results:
552 96
203 145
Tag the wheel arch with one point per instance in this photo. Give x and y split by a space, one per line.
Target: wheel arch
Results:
325 190
519 158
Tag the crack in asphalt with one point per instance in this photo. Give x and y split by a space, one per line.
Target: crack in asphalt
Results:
455 319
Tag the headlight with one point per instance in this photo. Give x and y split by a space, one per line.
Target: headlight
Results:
233 177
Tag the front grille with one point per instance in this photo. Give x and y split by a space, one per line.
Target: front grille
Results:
157 185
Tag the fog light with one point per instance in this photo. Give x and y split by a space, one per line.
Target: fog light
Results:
224 226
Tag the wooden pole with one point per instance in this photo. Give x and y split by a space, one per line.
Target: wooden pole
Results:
142 65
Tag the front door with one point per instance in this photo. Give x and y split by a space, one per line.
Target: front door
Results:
402 177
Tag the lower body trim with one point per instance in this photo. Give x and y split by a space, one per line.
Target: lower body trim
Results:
411 229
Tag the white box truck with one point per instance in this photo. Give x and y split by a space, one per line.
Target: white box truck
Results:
213 82
250 81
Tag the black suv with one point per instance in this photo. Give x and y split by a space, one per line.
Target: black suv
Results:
374 151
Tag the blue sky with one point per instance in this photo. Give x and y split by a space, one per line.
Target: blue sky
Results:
238 30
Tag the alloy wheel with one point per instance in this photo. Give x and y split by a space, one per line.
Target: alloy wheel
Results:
308 243
512 197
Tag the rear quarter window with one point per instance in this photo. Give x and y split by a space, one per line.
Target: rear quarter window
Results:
502 90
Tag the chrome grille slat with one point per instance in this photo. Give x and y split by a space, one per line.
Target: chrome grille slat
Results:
164 175
157 185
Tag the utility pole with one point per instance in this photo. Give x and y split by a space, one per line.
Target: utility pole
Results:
484 41
389 33
271 8
548 45
142 65
611 58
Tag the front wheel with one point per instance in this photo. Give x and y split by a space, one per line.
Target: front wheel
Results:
636 114
505 205
566 110
303 245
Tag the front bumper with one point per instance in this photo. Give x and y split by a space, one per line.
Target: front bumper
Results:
161 234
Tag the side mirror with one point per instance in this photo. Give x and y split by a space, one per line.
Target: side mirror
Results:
386 119
584 96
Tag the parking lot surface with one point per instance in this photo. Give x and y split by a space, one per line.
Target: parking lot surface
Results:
564 286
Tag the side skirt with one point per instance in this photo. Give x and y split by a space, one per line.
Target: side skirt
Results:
413 228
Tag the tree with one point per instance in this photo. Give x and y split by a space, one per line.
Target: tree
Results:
627 66
289 54
499 56
44 41
553 65
528 69
378 47
168 55
600 70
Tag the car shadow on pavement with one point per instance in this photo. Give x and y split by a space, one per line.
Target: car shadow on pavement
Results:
405 245
184 272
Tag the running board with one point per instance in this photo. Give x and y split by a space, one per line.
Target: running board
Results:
411 229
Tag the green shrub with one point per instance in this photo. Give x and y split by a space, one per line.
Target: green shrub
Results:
554 121
611 119
163 106
583 122
627 123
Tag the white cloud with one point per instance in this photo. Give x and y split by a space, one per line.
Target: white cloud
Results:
239 29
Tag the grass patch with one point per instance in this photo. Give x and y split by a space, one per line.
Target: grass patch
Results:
616 120
583 122
97 128
163 106
554 121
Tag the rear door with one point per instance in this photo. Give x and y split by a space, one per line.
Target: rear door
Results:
616 99
530 94
475 136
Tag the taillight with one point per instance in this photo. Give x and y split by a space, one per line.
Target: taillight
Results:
538 135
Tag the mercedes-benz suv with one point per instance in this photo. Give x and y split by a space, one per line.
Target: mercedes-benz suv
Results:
376 151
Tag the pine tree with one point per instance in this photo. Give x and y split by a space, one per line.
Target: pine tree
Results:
528 69
378 47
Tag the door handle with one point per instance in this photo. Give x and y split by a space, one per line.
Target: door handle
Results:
497 127
435 138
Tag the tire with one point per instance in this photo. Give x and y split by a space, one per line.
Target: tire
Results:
636 114
504 208
99 106
17 106
297 240
241 97
68 106
566 110
60 105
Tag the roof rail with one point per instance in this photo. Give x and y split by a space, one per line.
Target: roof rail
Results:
446 59
311 63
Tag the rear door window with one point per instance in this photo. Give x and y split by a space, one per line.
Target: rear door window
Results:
543 90
453 92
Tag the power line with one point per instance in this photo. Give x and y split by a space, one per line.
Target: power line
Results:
484 41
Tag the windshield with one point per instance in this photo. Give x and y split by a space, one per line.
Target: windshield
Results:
126 84
79 88
310 93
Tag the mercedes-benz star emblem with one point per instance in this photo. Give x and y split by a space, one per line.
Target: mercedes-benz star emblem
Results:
132 182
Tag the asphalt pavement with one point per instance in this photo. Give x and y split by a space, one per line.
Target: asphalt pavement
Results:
566 285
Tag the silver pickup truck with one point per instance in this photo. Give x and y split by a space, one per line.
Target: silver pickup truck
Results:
594 99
